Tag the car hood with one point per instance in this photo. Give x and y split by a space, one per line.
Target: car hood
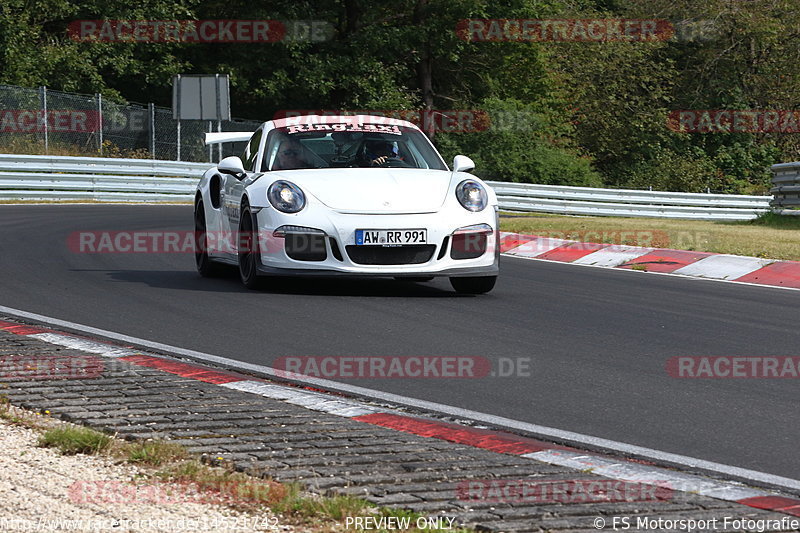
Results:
366 190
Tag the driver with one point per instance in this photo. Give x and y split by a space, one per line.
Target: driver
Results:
378 152
290 156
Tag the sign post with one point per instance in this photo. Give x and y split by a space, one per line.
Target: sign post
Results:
201 97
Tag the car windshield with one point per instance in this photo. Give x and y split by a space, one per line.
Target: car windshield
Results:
339 145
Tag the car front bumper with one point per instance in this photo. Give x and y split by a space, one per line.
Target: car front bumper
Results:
336 232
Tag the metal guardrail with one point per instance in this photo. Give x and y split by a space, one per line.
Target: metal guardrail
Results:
786 188
565 200
52 178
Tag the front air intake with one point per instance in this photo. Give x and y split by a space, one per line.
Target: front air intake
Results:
468 245
305 247
390 255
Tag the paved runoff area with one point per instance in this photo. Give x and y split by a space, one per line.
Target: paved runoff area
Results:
460 474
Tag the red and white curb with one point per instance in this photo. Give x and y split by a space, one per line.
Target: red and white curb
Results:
496 441
725 267
77 343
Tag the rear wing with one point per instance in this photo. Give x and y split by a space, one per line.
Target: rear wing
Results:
228 137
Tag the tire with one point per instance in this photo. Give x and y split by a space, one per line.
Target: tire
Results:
415 279
248 258
473 285
205 266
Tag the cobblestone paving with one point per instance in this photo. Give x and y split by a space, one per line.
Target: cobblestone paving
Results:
326 453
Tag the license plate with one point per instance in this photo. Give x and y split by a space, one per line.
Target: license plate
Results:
390 237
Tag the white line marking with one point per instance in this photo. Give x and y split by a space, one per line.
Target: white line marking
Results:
535 429
351 412
733 493
83 344
636 473
579 461
315 401
671 274
612 256
724 266
262 389
537 247
650 475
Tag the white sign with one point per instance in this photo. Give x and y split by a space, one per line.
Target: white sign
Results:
201 97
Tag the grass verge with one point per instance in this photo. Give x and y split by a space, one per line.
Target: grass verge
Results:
71 440
769 236
20 417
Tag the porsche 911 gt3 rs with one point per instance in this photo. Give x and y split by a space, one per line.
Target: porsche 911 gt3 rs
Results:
346 195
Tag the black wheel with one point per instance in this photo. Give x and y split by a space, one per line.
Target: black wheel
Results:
415 279
248 250
205 266
476 285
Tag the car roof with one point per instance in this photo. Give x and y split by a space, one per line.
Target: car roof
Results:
337 119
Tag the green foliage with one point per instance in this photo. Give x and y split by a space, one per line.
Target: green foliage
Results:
595 113
769 219
36 50
668 170
155 453
521 144
71 440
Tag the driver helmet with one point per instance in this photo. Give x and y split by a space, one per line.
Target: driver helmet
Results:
375 149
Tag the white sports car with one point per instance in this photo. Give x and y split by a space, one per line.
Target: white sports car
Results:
346 195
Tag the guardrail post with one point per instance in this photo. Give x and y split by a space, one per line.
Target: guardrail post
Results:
219 146
44 118
210 146
152 109
100 118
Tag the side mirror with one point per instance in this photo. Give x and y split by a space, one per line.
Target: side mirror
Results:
233 166
462 163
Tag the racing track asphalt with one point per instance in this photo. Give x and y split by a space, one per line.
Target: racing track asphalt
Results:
598 339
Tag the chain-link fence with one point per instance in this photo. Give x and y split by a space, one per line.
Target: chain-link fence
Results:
42 121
